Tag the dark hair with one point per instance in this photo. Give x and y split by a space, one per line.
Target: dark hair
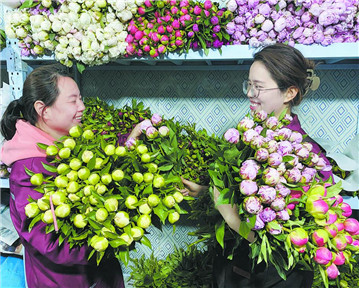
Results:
40 85
288 68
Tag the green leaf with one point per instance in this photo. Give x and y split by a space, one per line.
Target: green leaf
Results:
124 256
34 221
42 146
145 241
220 228
80 67
246 227
161 212
165 167
49 168
334 190
29 172
91 164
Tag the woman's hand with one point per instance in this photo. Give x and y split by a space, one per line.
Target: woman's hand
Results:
136 132
230 215
192 189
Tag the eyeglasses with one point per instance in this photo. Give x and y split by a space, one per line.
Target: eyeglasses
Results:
255 90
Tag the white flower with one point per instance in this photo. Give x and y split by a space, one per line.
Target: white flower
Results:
76 50
21 32
111 42
232 5
101 3
79 36
282 4
117 26
63 40
89 3
43 36
95 46
259 19
56 25
10 33
49 45
74 42
66 27
122 36
139 2
46 25
86 44
38 50
60 56
36 20
24 18
119 5
125 15
114 52
308 32
46 3
73 17
122 47
100 35
85 19
74 7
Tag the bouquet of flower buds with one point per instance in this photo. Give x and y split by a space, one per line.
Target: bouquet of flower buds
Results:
104 194
271 175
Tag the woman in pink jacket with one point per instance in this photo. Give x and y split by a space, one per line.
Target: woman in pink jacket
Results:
50 105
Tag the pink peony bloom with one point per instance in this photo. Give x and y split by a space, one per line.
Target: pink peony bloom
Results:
232 135
320 237
351 225
272 123
259 225
283 215
261 155
323 256
278 204
339 258
151 132
267 215
156 119
275 159
267 194
248 187
274 228
270 176
347 210
317 208
298 236
332 271
252 205
340 242
164 131
248 172
245 124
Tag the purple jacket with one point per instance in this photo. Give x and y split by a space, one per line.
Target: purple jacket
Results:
46 263
295 126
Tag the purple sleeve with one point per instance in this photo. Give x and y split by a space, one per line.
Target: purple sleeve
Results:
37 240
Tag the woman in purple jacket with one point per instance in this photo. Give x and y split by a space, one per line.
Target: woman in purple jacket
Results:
50 105
278 79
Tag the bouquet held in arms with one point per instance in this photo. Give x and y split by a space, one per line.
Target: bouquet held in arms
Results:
102 194
273 178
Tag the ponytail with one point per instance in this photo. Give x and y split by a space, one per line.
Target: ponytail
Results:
8 121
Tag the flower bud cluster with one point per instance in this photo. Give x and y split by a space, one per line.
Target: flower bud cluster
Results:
305 22
170 25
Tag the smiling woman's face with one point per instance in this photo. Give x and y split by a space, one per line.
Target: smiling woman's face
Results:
268 100
67 109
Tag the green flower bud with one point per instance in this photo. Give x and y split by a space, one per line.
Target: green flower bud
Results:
80 221
153 200
52 150
158 181
152 167
137 177
72 175
31 210
63 168
99 243
144 208
126 238
178 196
61 181
75 131
72 187
88 190
144 221
148 177
93 200
73 197
63 210
69 143
137 233
131 201
117 175
84 173
46 217
173 217
111 204
106 178
58 198
145 158
43 203
98 163
37 179
110 149
87 156
88 134
101 214
93 179
141 149
121 219
169 201
75 164
121 151
64 153
100 188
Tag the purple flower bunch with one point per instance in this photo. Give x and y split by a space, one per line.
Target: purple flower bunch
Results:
324 22
276 185
170 25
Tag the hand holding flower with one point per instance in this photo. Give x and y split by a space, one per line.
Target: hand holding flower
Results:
192 189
